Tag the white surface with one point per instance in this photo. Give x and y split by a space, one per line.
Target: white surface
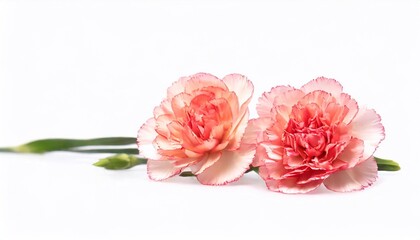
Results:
97 68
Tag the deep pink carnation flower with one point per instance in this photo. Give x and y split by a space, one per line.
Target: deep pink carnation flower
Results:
313 135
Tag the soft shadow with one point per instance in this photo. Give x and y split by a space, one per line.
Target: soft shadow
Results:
321 190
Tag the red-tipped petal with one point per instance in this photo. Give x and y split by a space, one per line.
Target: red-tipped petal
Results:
352 106
367 126
266 101
164 108
230 167
290 185
352 179
161 170
205 163
254 131
202 80
241 85
177 87
325 84
145 137
237 132
352 153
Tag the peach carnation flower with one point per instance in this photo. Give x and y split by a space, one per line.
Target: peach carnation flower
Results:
313 135
199 126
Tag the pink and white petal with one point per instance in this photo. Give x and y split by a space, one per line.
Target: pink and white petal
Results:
177 87
351 104
145 137
254 130
147 132
203 147
266 101
162 123
238 127
288 98
352 179
290 185
202 80
319 97
163 143
206 162
162 169
229 168
179 103
328 85
237 133
274 170
352 153
244 89
240 85
260 156
367 126
185 162
164 108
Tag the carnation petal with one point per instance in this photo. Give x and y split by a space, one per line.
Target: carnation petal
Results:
202 80
179 102
162 169
205 162
162 123
164 108
356 178
325 84
177 87
260 156
230 167
274 170
145 137
266 101
237 133
367 126
241 85
254 131
352 153
243 89
351 104
321 98
288 99
290 185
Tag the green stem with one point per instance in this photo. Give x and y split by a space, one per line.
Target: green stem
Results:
6 150
106 150
387 165
60 144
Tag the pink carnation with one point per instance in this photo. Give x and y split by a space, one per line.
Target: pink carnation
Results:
313 135
199 127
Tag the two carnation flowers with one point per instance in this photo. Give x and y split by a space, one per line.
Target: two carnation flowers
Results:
302 138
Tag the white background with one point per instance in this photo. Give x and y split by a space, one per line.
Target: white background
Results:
81 69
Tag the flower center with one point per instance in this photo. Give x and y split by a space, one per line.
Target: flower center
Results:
201 120
308 135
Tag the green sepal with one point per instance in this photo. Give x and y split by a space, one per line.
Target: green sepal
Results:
387 165
120 162
187 174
